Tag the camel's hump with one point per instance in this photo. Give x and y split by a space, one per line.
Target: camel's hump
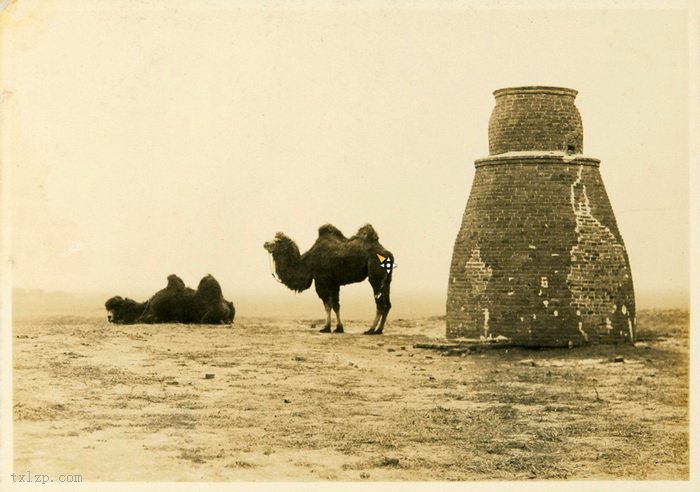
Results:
209 286
175 282
330 230
367 233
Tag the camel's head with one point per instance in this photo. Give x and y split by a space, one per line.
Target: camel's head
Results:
281 246
287 264
114 308
121 310
112 304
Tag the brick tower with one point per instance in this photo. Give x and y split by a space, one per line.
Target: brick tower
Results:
538 257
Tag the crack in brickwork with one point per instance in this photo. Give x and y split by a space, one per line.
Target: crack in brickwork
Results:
598 271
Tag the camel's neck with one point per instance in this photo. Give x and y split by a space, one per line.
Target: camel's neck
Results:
135 311
292 270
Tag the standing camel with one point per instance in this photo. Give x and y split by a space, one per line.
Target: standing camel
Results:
332 261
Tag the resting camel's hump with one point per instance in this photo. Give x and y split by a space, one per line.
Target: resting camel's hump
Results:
175 283
209 287
330 231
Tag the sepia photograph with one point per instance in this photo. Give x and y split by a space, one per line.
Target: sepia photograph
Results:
373 243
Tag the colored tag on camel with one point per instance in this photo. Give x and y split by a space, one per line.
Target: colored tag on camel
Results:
386 263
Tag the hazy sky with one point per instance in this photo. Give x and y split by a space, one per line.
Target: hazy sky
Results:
154 137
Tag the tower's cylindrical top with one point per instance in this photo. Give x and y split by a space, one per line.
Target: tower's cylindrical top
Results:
535 118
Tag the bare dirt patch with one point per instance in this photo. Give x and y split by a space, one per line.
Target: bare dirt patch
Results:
288 403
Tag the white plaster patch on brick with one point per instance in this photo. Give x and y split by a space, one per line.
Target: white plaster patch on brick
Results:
479 273
573 198
556 313
630 327
486 322
544 282
614 308
534 316
546 303
555 254
580 329
623 309
608 325
476 268
578 312
532 246
511 292
522 319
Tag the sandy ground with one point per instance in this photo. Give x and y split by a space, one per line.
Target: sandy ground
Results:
288 403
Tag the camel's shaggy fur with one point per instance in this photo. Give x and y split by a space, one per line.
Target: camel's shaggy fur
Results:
332 261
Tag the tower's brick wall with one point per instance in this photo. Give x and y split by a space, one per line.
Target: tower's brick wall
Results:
535 118
538 257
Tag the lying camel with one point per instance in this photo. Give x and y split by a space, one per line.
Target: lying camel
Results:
176 303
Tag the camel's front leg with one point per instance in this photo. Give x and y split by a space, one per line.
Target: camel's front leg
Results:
327 327
326 295
336 309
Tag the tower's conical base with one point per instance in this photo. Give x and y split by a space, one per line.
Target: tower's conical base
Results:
538 257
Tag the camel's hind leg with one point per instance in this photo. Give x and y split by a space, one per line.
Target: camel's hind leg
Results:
386 306
336 308
380 281
377 317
